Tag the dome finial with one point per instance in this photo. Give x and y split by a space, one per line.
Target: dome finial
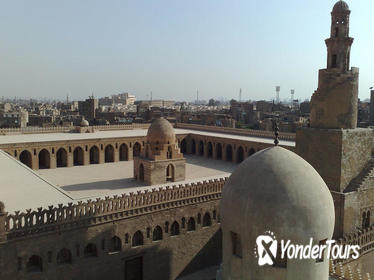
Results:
276 132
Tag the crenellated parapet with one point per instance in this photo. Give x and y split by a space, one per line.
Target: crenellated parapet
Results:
99 211
345 272
364 238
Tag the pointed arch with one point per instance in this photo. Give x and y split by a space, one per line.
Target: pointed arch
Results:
184 146
174 229
228 152
136 149
137 239
34 264
61 158
44 159
26 158
157 233
170 170
109 153
94 155
63 256
78 156
191 225
239 154
123 152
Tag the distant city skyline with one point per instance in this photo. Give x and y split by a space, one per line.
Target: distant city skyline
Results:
50 49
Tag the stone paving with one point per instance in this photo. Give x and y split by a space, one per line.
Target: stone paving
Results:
100 180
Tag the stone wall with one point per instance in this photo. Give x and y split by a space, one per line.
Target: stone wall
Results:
338 155
173 231
237 131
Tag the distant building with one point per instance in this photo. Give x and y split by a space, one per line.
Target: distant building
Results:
88 108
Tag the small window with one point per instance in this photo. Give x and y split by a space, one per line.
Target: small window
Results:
321 257
236 245
334 61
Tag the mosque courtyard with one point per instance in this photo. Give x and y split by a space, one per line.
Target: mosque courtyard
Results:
100 180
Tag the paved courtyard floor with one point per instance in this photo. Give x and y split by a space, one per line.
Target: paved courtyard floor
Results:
100 180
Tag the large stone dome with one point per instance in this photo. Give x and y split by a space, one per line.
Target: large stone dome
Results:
340 6
274 190
161 132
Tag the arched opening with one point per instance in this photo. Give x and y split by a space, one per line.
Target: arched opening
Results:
210 149
136 149
219 151
61 158
184 146
191 225
367 220
193 147
78 156
201 148
169 153
157 233
334 61
115 244
251 152
206 220
363 219
336 31
141 172
240 154
123 152
174 230
94 155
34 264
228 152
109 153
44 159
137 239
64 256
26 158
90 250
170 173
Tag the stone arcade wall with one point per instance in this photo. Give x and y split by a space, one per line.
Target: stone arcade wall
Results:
241 149
171 231
245 132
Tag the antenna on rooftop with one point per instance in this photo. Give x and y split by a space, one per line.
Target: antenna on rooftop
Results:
240 95
277 89
197 96
151 96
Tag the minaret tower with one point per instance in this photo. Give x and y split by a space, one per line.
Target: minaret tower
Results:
334 103
339 44
333 144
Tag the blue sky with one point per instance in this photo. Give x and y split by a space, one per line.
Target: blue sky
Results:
50 48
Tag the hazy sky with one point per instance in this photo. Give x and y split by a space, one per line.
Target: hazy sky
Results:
171 47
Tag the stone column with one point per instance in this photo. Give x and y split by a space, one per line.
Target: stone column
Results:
53 164
101 155
35 161
130 152
116 153
86 156
70 159
205 149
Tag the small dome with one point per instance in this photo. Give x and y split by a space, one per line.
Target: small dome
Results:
84 123
340 6
276 190
161 132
